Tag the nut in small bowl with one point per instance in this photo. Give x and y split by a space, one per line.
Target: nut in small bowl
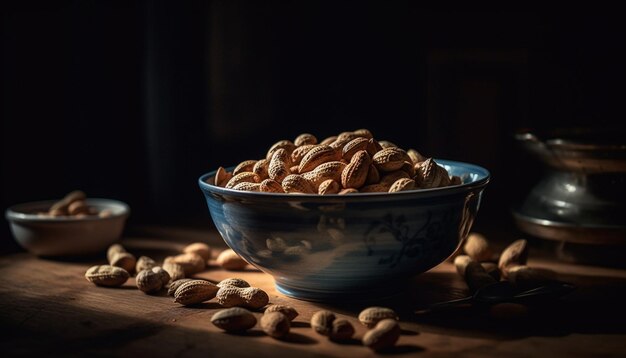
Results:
43 234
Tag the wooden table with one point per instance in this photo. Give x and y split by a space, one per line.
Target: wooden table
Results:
48 308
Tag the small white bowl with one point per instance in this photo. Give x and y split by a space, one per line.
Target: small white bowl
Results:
66 235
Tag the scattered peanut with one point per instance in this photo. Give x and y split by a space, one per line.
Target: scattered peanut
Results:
526 277
171 290
106 275
461 262
191 263
229 260
236 282
275 324
514 255
492 269
248 297
113 250
144 263
194 292
384 335
476 276
477 247
288 311
199 248
341 330
175 270
124 260
322 322
152 280
235 319
369 317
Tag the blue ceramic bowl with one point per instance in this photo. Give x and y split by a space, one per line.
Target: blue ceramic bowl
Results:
359 246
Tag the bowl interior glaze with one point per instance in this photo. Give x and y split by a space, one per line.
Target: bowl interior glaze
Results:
337 247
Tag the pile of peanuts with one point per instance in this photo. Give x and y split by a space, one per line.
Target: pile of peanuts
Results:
240 301
351 162
73 204
480 266
152 277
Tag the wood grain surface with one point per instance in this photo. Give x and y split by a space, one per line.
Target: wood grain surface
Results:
48 308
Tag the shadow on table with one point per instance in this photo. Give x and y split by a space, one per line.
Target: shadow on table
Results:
595 307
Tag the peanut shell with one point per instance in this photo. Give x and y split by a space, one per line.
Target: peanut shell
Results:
229 260
328 187
288 311
245 166
275 324
514 255
305 139
107 275
316 156
235 319
194 292
199 248
296 183
191 263
370 316
124 260
384 335
144 263
278 167
152 280
236 282
174 285
286 145
322 322
245 177
271 186
341 330
355 173
402 184
249 297
477 247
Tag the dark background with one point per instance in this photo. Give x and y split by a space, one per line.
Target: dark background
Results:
134 100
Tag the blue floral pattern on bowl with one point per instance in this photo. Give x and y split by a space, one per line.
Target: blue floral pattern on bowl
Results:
347 246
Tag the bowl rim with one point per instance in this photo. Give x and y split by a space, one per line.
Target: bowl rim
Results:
15 212
484 179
